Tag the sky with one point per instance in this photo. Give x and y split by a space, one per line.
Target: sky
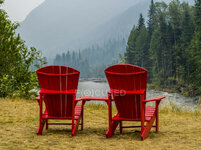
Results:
18 9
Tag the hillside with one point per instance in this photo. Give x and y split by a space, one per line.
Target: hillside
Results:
63 25
59 26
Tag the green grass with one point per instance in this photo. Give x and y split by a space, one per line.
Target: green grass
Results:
19 122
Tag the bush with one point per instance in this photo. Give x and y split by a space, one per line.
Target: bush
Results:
16 78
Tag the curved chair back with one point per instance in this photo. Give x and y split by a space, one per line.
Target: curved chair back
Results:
57 81
59 78
125 77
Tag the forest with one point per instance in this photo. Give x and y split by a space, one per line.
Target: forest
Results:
92 61
169 46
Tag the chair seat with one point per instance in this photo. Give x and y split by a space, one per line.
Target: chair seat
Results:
149 112
78 110
89 98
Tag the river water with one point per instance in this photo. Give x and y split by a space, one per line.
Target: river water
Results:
99 89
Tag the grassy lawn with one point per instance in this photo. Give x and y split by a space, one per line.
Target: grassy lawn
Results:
19 123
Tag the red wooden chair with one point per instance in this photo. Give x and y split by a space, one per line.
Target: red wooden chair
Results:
128 91
58 91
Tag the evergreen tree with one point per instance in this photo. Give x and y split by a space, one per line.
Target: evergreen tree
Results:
73 59
137 48
63 58
187 25
57 60
68 59
129 54
184 41
175 19
141 22
174 44
195 50
141 48
151 20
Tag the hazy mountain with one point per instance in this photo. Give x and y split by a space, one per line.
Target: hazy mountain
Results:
121 25
58 26
61 24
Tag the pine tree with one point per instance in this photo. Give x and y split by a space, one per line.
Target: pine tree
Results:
195 50
187 28
68 59
141 54
73 59
174 47
151 20
175 19
129 54
141 22
57 60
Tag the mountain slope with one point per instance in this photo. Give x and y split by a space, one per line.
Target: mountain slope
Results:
121 25
61 24
58 26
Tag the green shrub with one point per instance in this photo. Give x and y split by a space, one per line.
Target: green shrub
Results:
16 78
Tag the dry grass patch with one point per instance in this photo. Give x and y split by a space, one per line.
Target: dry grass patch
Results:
19 123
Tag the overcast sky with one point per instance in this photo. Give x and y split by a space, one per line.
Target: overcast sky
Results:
18 9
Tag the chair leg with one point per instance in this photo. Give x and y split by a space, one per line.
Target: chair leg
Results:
112 129
41 121
147 128
40 128
46 122
157 124
76 125
157 119
120 127
82 121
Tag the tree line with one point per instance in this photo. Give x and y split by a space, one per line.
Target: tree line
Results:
74 60
92 61
169 46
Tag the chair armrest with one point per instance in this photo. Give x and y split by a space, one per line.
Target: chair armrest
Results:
88 98
37 98
123 92
159 98
78 99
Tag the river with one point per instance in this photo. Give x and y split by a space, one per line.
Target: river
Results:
99 89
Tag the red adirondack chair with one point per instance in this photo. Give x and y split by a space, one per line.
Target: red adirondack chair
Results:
128 91
58 91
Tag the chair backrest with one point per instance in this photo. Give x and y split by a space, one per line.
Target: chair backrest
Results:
127 77
57 78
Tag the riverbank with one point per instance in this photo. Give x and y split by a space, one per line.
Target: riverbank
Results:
100 89
176 89
184 91
19 121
